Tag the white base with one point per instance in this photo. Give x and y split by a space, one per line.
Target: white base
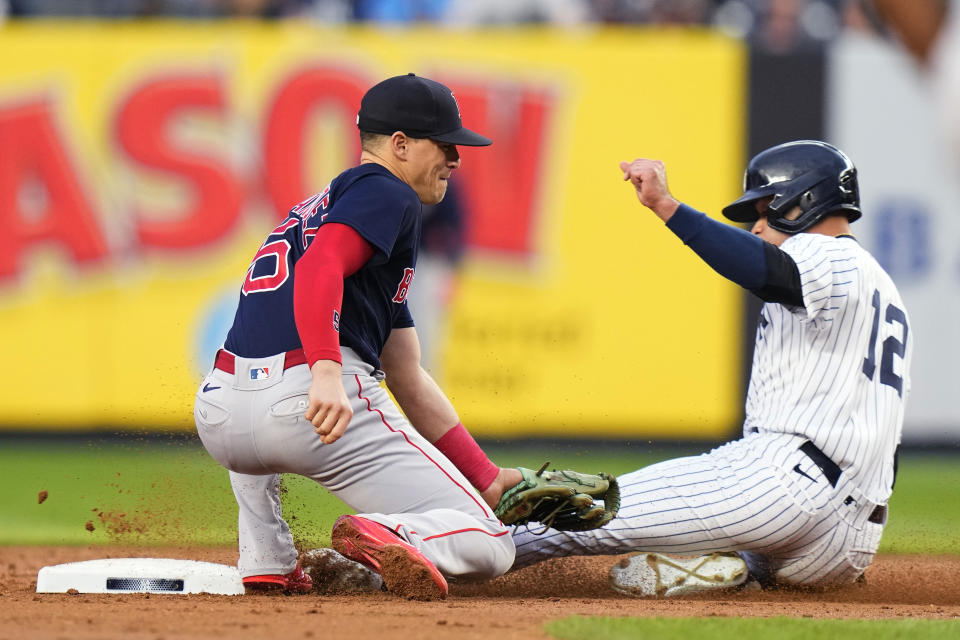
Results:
140 575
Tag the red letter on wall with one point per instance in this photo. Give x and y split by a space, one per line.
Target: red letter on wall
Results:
143 130
40 197
285 131
502 182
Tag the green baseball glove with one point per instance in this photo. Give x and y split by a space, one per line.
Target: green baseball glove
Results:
564 500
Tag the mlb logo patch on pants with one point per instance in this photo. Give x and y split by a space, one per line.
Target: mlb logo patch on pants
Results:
258 373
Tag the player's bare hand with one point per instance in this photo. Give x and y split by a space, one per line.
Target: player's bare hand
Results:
328 410
506 478
649 179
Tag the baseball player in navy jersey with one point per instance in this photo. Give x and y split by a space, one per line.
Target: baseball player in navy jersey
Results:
322 319
801 498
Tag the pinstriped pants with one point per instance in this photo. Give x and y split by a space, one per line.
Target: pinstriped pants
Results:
381 467
760 496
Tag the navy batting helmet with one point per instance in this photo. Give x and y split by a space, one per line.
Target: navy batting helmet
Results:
812 175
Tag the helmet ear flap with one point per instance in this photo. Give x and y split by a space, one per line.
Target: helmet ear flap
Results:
848 184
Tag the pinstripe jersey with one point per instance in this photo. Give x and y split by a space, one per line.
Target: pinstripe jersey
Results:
837 369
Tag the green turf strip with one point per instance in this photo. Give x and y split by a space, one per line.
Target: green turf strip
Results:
132 492
169 491
139 492
781 628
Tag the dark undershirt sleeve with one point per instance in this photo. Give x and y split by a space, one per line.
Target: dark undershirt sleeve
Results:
783 279
740 256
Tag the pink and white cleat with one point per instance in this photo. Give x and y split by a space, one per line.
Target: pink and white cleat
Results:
294 582
405 571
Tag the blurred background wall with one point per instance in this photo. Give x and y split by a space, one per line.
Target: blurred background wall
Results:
147 147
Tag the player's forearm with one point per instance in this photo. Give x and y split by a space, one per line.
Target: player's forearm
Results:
430 411
739 256
731 252
665 207
423 402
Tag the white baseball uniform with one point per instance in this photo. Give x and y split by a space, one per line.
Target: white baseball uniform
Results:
803 494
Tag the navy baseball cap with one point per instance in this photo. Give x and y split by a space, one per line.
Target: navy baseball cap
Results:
420 107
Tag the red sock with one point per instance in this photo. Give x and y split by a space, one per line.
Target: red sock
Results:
464 452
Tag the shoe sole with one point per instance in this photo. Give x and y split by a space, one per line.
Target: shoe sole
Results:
659 576
266 585
262 586
405 571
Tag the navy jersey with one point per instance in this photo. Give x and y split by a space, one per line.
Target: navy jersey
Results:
385 211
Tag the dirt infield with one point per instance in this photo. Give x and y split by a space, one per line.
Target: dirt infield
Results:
512 607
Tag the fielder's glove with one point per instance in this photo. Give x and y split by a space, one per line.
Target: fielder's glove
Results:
564 500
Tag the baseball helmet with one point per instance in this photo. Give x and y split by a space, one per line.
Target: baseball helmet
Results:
817 177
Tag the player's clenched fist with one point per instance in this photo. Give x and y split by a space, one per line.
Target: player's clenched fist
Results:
328 410
649 178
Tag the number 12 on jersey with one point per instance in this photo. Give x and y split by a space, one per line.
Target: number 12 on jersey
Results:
892 345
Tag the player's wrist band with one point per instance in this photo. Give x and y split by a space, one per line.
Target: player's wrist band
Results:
464 452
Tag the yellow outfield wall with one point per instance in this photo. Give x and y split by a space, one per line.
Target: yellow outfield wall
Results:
142 164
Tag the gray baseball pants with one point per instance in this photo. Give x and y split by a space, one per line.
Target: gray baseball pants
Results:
251 421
